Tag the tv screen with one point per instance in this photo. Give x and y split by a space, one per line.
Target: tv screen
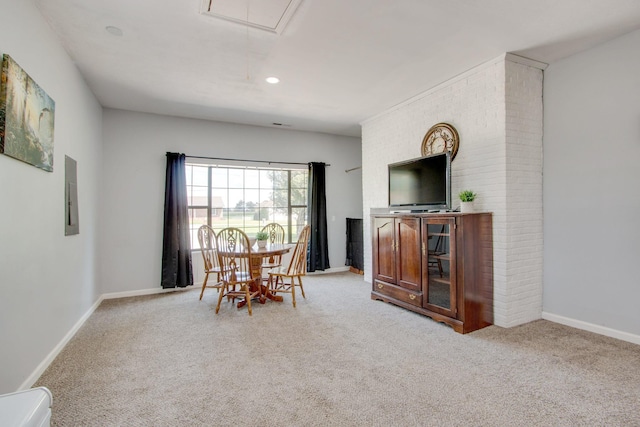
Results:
421 184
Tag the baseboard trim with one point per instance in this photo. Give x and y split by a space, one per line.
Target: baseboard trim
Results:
141 292
598 329
30 381
329 271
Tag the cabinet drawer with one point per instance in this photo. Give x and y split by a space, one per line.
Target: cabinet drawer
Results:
402 294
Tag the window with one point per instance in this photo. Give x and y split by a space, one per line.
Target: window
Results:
246 198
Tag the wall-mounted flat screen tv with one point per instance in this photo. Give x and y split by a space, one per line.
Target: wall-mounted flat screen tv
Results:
421 184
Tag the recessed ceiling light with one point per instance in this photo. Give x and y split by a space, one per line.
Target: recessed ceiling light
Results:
114 30
273 80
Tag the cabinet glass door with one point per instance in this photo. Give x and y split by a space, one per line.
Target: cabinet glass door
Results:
439 245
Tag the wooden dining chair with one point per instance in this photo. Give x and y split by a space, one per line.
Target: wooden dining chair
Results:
207 240
296 269
276 235
234 253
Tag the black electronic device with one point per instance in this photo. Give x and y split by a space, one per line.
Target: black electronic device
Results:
421 184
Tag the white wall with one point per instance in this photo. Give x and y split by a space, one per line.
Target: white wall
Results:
47 281
591 177
134 170
497 110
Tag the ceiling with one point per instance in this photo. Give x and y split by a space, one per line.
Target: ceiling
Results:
339 61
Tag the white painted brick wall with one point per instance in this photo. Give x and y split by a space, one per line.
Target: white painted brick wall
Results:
524 119
497 110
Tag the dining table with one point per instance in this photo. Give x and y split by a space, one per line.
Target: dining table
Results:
257 255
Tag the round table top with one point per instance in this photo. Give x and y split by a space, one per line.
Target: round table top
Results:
270 249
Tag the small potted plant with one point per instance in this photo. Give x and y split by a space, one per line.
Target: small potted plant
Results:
262 237
466 200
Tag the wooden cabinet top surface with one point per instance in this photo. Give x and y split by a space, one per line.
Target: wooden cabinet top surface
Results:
385 212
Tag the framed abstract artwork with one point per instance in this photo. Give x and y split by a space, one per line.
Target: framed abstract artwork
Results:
26 117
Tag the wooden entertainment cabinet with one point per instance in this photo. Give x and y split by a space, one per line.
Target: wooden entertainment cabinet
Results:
436 264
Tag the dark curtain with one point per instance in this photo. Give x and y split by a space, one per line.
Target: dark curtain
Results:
318 254
176 245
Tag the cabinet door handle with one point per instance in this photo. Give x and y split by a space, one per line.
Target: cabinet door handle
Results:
380 285
412 296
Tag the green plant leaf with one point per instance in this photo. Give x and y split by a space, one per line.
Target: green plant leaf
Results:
467 195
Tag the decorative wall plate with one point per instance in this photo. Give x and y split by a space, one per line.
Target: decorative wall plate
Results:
440 138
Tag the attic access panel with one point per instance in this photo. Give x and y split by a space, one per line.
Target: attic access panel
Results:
268 15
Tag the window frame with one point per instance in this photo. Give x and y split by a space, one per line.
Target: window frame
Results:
209 199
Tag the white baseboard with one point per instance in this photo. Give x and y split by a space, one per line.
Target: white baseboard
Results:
141 292
598 329
28 383
196 285
329 271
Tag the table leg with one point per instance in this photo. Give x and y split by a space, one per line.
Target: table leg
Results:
256 269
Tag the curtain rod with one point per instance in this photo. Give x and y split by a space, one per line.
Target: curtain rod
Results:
245 160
